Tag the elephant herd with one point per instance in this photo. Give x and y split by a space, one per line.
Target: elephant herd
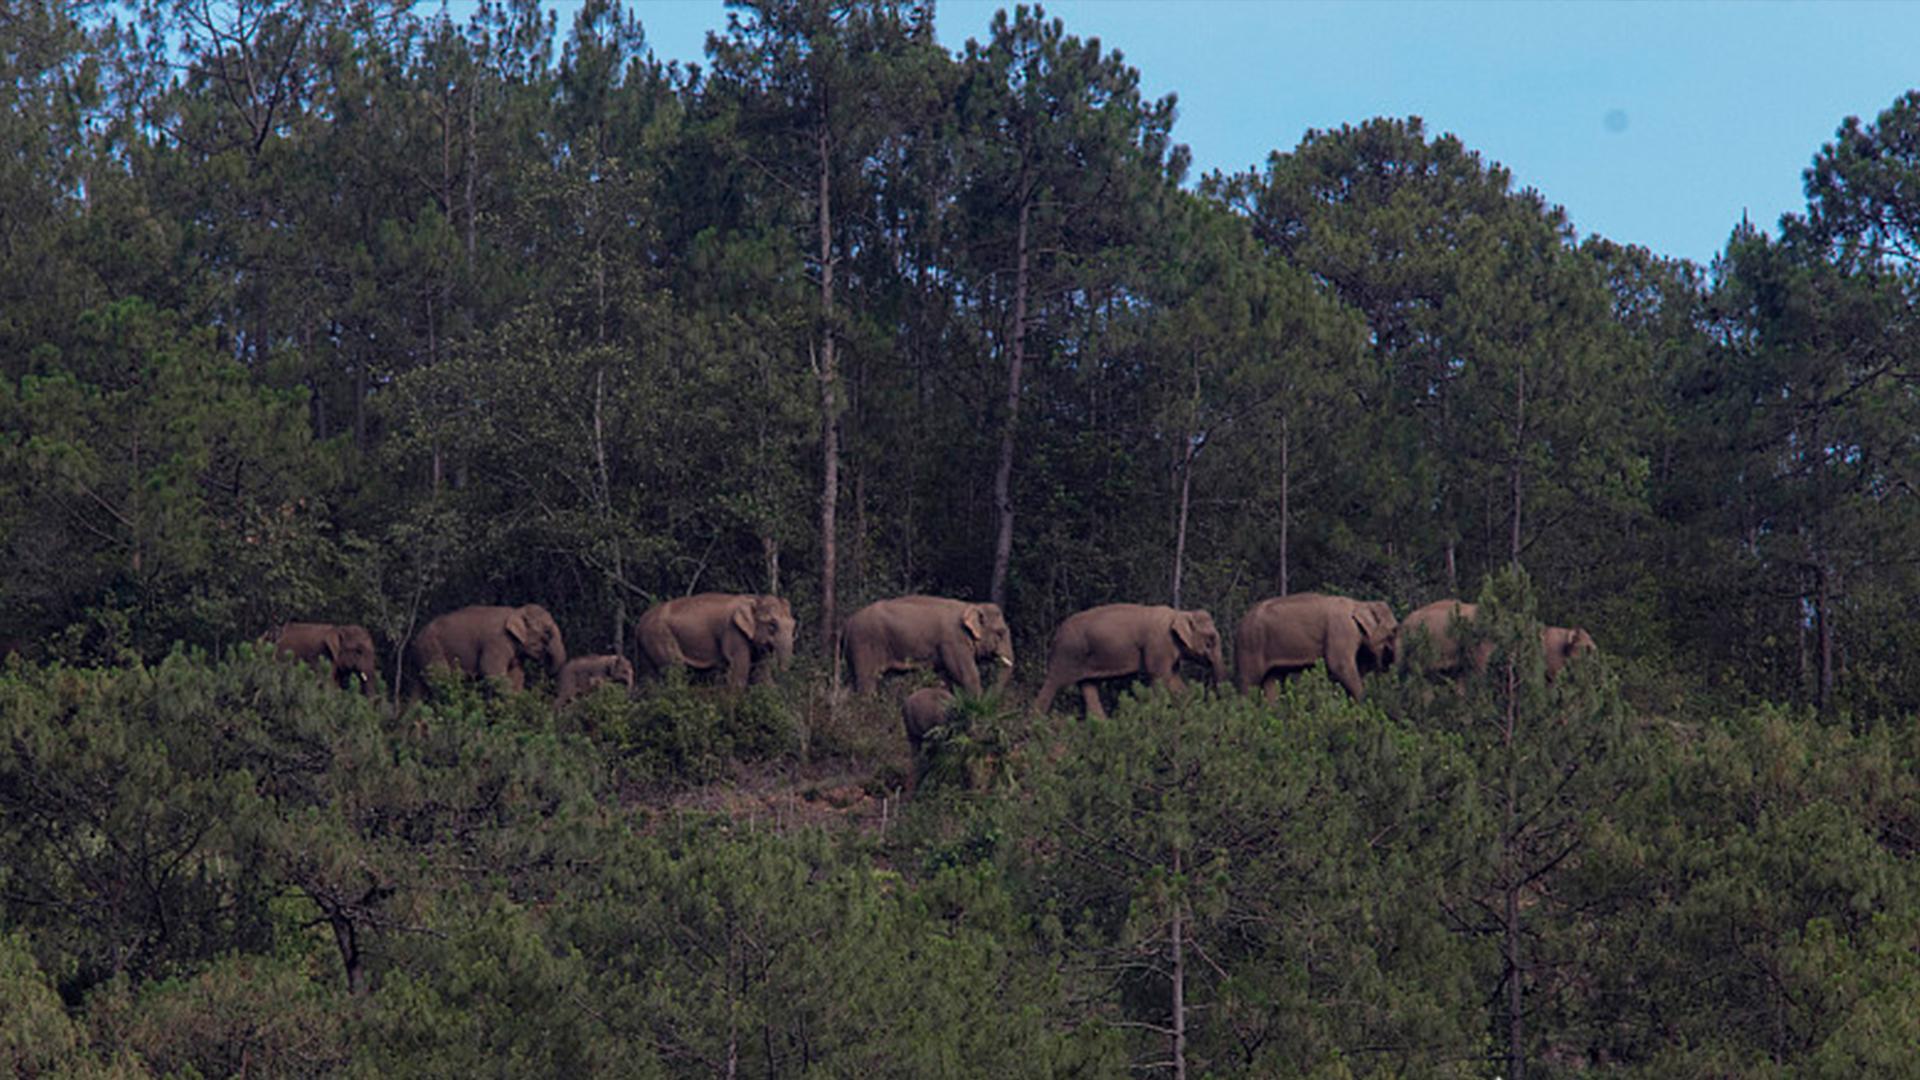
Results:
733 633
704 632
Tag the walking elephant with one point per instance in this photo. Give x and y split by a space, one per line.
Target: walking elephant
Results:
708 630
345 648
583 673
1285 634
1561 644
491 642
951 636
1117 640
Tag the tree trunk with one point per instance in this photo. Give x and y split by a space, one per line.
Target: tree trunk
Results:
1824 583
1285 478
1179 976
360 404
1519 445
829 375
473 167
1180 530
347 939
1016 361
604 480
1510 885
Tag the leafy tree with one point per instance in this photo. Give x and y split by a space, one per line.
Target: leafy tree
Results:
157 492
1498 381
1062 150
1219 878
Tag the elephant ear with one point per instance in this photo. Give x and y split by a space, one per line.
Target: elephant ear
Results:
974 621
1186 629
1373 619
743 618
334 644
521 625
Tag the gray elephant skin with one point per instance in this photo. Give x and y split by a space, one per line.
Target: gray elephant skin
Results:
491 642
1118 640
583 673
953 637
1285 634
347 649
1561 644
925 709
714 630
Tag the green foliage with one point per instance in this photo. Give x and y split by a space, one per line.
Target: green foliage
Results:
358 313
1290 854
672 733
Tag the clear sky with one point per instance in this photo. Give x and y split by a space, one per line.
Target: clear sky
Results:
1652 123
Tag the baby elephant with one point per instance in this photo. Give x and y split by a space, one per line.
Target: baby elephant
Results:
582 673
924 710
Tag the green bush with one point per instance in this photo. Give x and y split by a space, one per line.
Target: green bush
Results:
673 733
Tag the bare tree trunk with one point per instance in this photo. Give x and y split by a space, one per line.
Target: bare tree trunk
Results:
473 166
1016 361
1179 975
1453 572
1285 510
1510 885
1180 530
829 375
1519 446
347 939
604 481
1824 583
1186 486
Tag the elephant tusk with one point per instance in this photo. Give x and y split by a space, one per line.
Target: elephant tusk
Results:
1003 660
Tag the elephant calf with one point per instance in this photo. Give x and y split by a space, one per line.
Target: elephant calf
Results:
1288 633
925 709
346 649
951 636
582 674
1118 640
711 630
1561 644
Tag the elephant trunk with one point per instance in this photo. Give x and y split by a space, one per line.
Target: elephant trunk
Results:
783 645
556 655
1217 668
1003 659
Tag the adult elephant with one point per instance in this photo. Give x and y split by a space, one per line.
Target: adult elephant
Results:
1117 640
1562 645
491 642
345 648
1285 634
708 630
582 674
951 636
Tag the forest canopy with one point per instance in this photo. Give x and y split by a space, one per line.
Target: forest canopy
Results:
359 312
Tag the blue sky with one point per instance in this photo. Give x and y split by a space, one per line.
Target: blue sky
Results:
1652 123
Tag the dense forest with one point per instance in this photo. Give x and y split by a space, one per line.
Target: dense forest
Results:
352 312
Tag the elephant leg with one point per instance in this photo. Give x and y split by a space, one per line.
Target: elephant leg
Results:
517 677
1270 687
739 657
1090 692
1347 674
960 670
1172 681
1044 700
